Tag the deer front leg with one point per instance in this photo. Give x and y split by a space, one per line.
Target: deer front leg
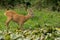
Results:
21 26
7 23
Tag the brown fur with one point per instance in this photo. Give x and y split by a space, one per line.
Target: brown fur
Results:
20 19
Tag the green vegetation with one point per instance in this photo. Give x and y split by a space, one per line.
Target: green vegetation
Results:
41 18
43 23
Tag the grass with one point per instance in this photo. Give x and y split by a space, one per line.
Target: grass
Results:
43 19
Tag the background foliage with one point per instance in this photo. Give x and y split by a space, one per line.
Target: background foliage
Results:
50 4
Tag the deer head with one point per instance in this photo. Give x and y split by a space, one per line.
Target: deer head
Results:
30 12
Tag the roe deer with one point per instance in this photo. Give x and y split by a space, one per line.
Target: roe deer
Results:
20 19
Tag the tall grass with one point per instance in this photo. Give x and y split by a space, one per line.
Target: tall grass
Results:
41 19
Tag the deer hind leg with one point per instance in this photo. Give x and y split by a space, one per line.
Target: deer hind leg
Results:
7 23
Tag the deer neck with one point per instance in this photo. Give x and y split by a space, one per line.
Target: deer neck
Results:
27 17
